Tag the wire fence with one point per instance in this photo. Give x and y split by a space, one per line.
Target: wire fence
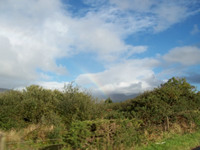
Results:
29 145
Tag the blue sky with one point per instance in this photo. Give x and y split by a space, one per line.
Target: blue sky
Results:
110 47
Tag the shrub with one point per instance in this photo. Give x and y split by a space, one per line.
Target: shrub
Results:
102 134
170 100
76 105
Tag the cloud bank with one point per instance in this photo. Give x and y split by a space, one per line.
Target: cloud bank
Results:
187 55
34 35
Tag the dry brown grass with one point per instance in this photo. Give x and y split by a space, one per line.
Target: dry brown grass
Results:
27 133
156 133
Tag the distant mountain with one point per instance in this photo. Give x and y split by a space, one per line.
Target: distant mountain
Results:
3 89
122 97
117 97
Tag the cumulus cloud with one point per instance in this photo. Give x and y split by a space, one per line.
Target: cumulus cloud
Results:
25 39
187 55
35 34
131 77
52 85
128 77
91 34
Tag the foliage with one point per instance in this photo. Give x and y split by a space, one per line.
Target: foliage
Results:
35 105
104 133
174 99
38 105
76 105
174 142
9 110
108 101
85 122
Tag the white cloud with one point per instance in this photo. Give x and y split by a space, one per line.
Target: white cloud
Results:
93 34
187 55
195 30
52 85
136 5
168 14
162 14
94 3
25 46
34 34
128 77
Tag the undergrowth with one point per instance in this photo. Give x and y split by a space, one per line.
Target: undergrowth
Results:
73 119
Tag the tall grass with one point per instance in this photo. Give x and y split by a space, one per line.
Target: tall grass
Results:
185 141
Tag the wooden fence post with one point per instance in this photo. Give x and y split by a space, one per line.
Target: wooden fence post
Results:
167 123
2 142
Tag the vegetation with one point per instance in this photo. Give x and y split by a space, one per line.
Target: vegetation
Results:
186 141
76 120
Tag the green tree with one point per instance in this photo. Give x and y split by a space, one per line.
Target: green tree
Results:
76 105
108 100
173 99
39 105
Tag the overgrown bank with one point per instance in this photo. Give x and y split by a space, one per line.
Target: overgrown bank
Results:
78 121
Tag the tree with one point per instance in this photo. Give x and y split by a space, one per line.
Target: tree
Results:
108 100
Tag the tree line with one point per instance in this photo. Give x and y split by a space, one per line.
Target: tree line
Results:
81 120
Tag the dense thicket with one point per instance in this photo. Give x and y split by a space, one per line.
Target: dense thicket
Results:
174 100
36 105
81 120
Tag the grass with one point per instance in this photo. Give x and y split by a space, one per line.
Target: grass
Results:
172 142
176 142
175 139
24 139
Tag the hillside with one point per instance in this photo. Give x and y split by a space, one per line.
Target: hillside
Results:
3 89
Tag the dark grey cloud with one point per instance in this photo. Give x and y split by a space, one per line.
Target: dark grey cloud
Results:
193 78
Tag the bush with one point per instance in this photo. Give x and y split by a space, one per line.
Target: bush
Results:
10 109
104 133
169 100
76 105
38 104
84 122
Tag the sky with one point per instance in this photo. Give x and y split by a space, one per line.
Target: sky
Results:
112 48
